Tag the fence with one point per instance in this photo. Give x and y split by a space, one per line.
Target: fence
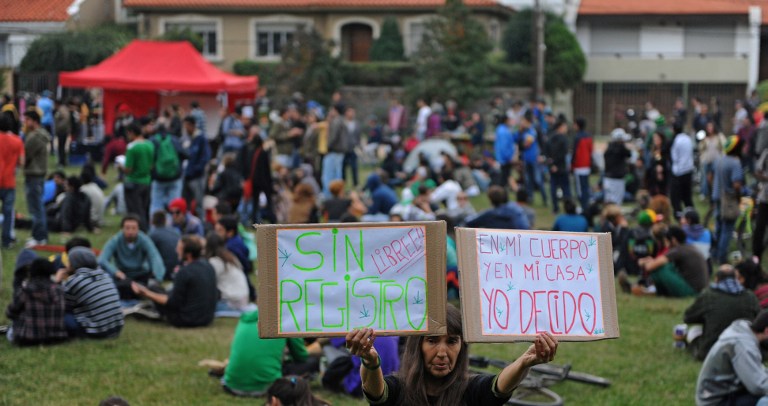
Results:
604 105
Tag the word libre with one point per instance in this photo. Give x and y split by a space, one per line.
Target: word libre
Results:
528 283
334 279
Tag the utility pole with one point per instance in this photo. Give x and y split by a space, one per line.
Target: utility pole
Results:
539 48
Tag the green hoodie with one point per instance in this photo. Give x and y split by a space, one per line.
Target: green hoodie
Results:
254 363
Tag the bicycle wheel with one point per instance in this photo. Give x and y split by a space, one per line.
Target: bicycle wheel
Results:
535 397
587 378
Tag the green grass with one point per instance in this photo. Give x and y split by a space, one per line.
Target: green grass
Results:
152 363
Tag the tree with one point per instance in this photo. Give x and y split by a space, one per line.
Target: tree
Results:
452 57
564 63
74 50
389 45
184 35
308 67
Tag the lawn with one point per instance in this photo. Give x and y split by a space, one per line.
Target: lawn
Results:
154 364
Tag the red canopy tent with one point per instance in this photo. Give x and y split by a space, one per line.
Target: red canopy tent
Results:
144 70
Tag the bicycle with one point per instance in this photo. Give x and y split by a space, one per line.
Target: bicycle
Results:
534 389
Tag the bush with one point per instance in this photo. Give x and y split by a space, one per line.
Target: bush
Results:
376 73
511 74
266 71
75 50
389 45
184 35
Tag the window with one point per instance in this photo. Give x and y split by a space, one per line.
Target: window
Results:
206 30
4 57
272 37
416 34
613 40
714 40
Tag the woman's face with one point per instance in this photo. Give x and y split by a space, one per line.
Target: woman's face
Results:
440 354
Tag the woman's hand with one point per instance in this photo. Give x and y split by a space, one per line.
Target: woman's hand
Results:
542 350
360 343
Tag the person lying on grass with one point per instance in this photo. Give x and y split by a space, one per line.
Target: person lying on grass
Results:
435 369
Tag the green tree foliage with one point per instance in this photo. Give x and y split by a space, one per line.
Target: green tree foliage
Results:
74 50
308 67
389 45
184 35
564 63
451 60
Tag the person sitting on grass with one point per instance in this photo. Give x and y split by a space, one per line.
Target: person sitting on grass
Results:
436 369
93 304
73 211
227 227
230 278
192 302
165 237
679 272
184 221
37 309
131 256
698 235
752 277
570 221
292 390
733 372
717 307
504 214
255 363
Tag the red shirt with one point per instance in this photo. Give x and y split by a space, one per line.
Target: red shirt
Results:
12 149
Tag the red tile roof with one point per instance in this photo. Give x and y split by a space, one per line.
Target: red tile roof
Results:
277 4
666 7
34 10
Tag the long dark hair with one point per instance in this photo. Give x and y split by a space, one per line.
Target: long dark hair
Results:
294 391
412 374
215 246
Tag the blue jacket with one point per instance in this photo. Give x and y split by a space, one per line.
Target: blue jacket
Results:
237 246
530 154
384 198
199 155
504 145
508 216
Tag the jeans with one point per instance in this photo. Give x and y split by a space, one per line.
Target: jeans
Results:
194 191
8 199
533 181
350 160
582 183
758 236
332 169
34 191
559 180
681 191
137 202
162 193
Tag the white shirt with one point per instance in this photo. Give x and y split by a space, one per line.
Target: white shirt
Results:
231 282
682 155
448 191
421 119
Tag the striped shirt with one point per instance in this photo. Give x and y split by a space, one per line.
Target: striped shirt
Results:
93 298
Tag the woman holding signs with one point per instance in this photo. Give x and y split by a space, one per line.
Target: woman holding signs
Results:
435 369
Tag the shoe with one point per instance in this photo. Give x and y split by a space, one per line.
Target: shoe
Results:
639 290
623 278
147 310
31 243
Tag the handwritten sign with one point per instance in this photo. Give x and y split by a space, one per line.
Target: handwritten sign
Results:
324 280
516 284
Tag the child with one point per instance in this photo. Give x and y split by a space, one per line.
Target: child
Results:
38 308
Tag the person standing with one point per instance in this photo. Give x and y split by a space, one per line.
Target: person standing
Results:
682 171
421 119
557 151
615 157
35 169
761 221
46 106
527 139
139 156
353 141
63 126
333 161
582 161
13 157
504 150
166 169
194 173
726 188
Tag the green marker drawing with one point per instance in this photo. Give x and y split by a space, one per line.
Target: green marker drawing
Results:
589 268
510 286
284 255
364 313
587 315
592 242
499 311
417 299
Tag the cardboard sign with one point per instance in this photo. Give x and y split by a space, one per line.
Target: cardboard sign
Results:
323 280
515 284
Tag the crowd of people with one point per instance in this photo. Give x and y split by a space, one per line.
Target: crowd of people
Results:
187 198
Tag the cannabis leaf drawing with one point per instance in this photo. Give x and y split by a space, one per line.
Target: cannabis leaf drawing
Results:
418 299
284 255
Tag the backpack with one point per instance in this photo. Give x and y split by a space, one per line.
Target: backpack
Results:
640 244
166 158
